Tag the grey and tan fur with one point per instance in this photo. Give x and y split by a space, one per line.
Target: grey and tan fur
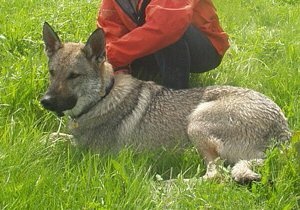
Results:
111 112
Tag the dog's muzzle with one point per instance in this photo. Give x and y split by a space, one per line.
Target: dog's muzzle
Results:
57 104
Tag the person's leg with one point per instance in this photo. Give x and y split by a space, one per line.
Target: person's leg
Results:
192 53
145 68
204 56
174 64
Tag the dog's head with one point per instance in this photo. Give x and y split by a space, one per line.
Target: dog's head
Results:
79 75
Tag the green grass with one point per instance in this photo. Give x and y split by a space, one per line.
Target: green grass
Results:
35 174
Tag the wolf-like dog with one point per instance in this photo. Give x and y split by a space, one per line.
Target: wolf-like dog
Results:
109 112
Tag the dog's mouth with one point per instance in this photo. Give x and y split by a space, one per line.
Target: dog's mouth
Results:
60 114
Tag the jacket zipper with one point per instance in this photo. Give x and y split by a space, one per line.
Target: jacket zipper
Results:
129 10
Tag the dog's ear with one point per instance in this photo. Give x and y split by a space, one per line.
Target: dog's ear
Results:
95 46
51 40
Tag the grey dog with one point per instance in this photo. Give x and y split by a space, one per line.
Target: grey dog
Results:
110 112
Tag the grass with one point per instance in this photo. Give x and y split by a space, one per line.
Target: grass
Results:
34 174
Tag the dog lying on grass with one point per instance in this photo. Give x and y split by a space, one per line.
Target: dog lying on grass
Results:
109 112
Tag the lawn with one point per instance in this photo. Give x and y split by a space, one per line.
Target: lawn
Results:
35 174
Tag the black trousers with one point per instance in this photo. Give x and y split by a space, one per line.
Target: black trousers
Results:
171 66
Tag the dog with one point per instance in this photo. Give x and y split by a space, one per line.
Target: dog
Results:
109 112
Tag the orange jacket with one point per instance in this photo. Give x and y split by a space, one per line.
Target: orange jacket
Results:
166 21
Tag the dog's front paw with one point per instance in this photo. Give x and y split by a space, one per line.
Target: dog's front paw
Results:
55 137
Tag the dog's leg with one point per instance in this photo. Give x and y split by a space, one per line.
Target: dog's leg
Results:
208 146
55 137
212 169
209 149
201 130
242 172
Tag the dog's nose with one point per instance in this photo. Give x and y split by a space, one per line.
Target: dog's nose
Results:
48 102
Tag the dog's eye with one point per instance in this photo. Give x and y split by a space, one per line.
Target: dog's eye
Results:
73 75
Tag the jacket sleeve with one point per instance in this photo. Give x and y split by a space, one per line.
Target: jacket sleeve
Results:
166 21
109 20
